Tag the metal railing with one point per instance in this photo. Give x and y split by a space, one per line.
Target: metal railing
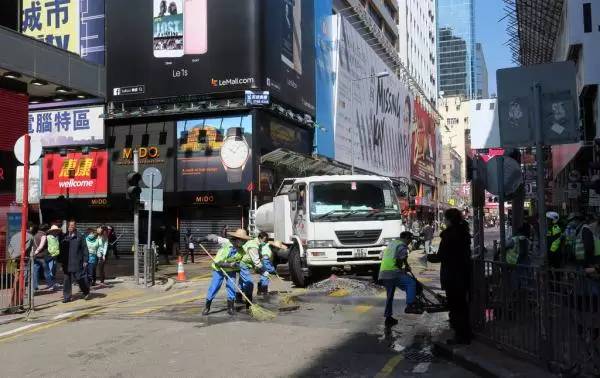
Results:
12 298
551 316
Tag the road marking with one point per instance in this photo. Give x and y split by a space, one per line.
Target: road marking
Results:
156 308
201 278
63 315
421 368
389 367
156 299
361 309
23 328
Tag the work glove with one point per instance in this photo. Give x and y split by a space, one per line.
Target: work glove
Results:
212 238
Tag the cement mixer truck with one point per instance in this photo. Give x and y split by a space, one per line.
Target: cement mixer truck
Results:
332 221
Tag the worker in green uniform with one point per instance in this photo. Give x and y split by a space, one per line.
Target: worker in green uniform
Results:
554 239
251 262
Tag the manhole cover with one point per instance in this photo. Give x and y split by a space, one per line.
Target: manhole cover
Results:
418 356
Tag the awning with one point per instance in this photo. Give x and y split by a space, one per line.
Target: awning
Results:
307 165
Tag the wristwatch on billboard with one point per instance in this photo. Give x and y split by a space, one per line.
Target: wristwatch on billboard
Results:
234 154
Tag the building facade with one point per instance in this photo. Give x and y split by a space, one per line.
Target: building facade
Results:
418 45
481 74
456 47
455 131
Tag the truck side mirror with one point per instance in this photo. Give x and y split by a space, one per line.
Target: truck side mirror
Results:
293 196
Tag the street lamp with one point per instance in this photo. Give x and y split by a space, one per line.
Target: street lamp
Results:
317 128
378 75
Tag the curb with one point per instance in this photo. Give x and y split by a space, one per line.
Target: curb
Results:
12 320
486 361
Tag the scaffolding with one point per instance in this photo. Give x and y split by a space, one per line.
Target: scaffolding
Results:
533 27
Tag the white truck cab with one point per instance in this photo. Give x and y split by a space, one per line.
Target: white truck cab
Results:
332 221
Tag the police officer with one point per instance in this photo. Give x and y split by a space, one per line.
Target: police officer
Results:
572 232
227 259
588 246
393 273
251 262
554 239
517 247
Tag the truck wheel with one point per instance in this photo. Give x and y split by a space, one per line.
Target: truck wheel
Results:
295 265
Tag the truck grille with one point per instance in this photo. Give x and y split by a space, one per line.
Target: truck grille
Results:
358 237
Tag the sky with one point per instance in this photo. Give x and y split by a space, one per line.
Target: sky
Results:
492 35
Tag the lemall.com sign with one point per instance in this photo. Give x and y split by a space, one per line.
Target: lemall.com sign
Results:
75 175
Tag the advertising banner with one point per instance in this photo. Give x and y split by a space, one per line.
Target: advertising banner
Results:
289 39
214 154
35 185
155 143
373 116
92 31
68 127
76 175
276 133
181 47
8 169
196 47
55 22
424 146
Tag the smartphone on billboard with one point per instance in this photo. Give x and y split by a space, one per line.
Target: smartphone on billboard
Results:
291 50
195 27
168 38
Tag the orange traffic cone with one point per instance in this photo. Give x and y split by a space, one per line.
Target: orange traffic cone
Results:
180 271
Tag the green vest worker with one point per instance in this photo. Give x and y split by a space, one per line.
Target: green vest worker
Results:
250 262
554 239
393 273
590 244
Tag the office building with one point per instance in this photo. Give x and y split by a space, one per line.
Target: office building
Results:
481 73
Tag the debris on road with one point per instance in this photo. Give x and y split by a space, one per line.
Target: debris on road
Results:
337 286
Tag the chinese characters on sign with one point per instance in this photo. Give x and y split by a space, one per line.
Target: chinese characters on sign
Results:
75 175
55 22
257 98
68 127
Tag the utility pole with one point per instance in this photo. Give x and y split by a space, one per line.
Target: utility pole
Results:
136 224
539 157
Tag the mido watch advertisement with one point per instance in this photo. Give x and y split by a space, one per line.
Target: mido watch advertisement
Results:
214 154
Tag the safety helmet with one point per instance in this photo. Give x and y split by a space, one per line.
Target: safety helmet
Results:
552 215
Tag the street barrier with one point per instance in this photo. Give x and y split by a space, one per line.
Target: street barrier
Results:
550 316
11 300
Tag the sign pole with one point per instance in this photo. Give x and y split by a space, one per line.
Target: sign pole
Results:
149 238
539 157
24 216
136 224
501 209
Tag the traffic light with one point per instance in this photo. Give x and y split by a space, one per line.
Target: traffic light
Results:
133 186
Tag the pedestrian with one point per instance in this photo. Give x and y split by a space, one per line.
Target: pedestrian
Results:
228 259
40 254
554 238
455 273
251 262
93 243
53 240
74 258
393 273
574 223
427 237
266 257
112 241
589 247
102 252
517 247
189 244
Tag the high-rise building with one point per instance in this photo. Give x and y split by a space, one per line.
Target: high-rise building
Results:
481 73
417 42
456 47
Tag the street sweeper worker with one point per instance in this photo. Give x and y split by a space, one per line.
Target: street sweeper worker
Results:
251 262
266 256
227 259
393 273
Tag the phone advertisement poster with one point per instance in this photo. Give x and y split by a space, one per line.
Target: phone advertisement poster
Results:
214 154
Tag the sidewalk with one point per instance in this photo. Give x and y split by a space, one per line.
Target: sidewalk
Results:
482 359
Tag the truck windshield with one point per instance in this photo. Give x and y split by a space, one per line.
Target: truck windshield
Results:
353 201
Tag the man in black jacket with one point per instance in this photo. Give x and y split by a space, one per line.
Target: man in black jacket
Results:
74 258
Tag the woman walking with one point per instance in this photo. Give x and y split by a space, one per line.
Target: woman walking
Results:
455 273
102 251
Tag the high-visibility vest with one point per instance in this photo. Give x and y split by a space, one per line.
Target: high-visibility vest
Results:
388 261
554 240
265 252
250 244
580 249
229 254
512 254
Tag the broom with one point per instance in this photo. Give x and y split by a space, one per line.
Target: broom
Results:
257 312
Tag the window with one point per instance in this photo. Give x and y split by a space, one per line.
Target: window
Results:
478 106
492 105
587 17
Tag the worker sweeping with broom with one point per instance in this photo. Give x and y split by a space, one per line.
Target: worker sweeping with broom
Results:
251 262
226 262
266 256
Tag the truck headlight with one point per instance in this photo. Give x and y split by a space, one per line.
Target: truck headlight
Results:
387 241
320 244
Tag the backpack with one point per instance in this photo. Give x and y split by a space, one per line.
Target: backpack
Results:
53 245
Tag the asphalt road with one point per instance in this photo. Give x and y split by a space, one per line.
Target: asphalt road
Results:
126 331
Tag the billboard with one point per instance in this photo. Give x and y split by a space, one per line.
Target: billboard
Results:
75 175
373 116
289 41
275 133
155 143
214 154
54 22
325 56
197 47
424 146
92 31
35 187
68 127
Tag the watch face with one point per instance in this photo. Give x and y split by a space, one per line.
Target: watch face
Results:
234 153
